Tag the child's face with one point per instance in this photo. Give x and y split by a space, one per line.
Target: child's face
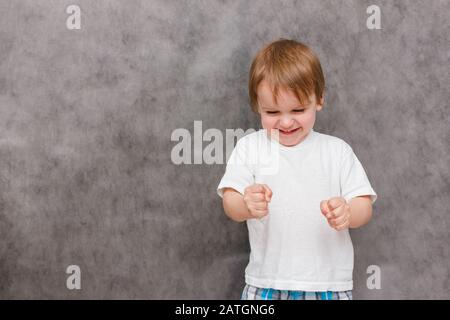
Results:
292 120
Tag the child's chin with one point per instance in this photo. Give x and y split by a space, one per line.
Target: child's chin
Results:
290 141
288 144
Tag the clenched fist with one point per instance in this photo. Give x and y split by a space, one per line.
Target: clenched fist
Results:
256 197
337 212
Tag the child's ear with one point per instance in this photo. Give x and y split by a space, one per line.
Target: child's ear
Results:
258 107
320 104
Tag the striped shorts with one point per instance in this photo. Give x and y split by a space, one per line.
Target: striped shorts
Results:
254 293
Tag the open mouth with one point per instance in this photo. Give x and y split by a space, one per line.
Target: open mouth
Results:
289 132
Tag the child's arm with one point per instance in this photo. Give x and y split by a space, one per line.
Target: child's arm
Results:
361 211
235 206
253 204
342 215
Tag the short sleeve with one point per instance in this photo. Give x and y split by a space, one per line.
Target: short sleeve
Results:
239 171
353 178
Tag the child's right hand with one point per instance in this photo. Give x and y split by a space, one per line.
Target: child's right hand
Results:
256 197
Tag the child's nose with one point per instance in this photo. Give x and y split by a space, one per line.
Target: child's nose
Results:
286 121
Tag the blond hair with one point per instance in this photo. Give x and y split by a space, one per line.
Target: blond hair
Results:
290 65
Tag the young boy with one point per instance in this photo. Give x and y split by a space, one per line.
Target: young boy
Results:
298 215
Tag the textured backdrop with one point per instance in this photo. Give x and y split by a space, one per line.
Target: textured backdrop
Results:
86 117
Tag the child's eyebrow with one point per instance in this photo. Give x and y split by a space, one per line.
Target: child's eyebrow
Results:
274 108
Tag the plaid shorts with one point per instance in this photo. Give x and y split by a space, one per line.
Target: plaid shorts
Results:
254 293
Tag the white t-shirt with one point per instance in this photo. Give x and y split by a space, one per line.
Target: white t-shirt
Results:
293 247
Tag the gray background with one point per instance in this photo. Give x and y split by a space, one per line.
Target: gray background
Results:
86 117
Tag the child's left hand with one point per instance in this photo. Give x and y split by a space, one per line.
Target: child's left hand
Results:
337 212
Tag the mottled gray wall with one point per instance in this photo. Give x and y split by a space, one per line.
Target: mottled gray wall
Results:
86 117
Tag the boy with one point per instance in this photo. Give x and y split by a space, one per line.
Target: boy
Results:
298 215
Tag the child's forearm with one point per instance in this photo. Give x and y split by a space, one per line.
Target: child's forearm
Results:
360 211
234 205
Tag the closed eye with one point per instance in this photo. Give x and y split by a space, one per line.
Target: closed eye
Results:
276 112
